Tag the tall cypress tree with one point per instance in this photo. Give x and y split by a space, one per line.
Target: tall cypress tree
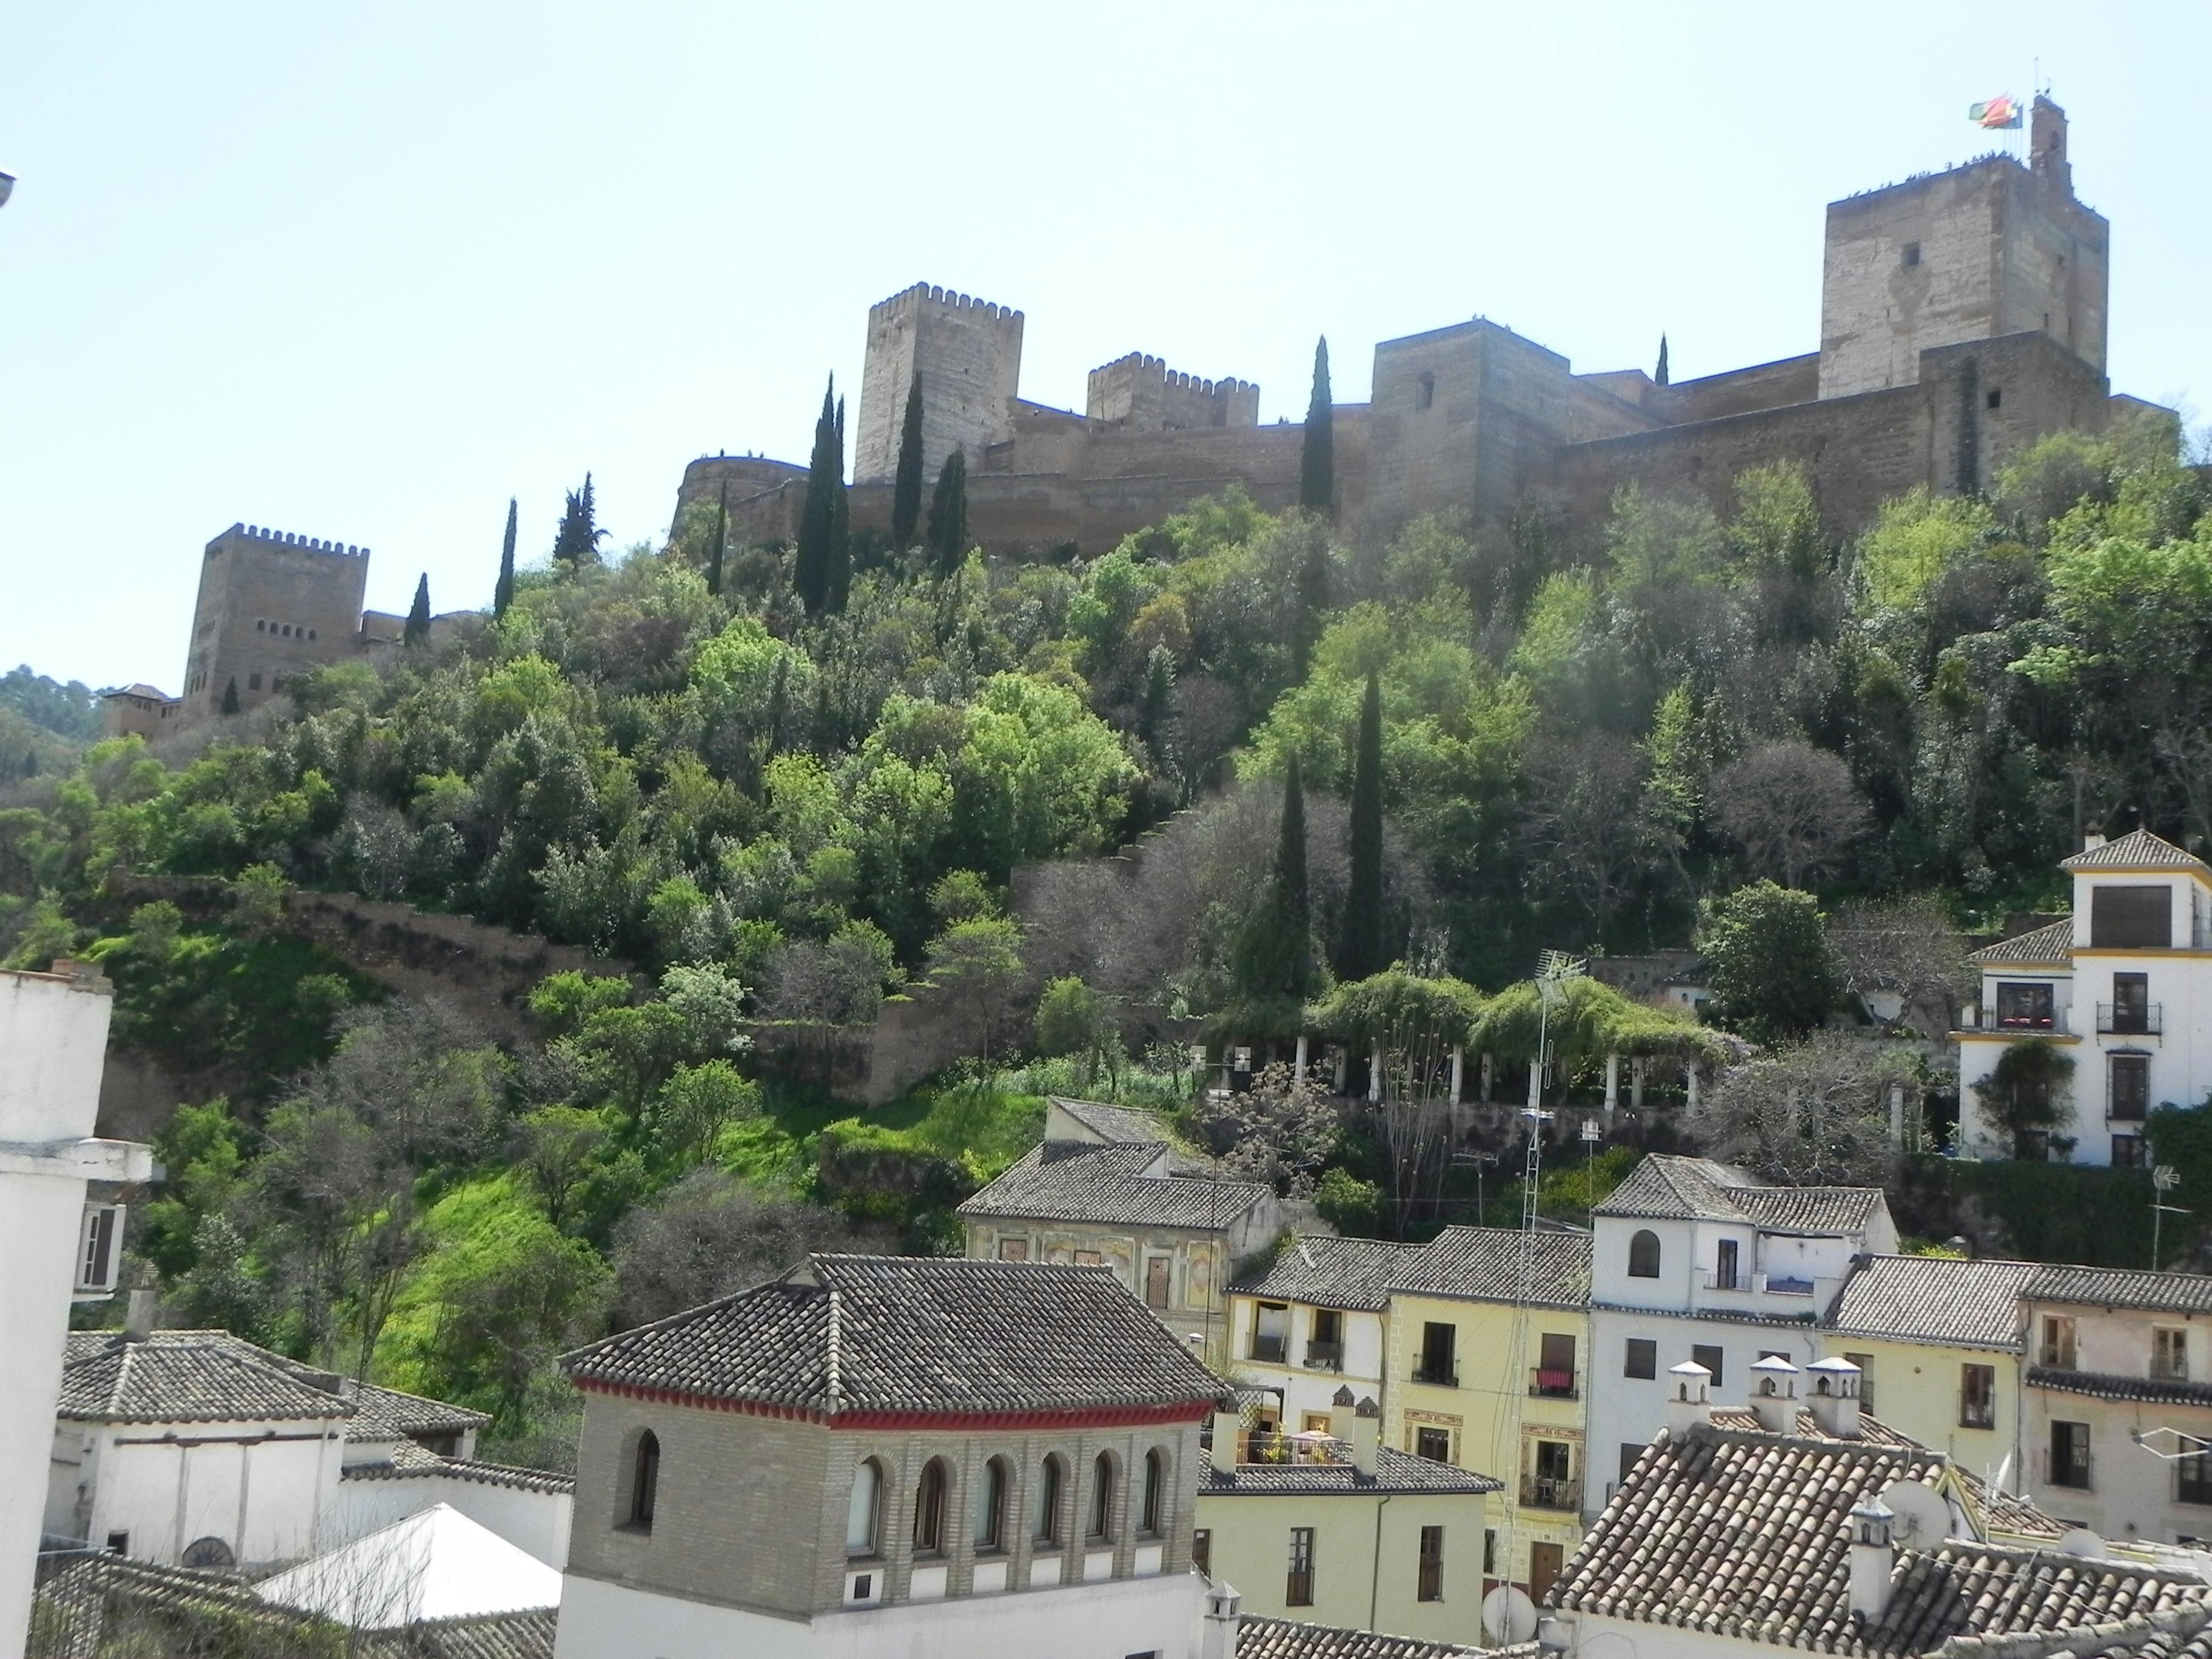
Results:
576 543
817 517
948 515
1312 596
1659 374
721 540
417 630
841 526
1159 691
779 702
1317 462
906 486
1273 955
1360 952
502 591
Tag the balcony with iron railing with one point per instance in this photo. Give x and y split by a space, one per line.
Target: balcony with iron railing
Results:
2059 1022
1436 1377
2173 1369
1540 1491
1547 1383
1324 1356
1270 1350
2130 1019
1743 1282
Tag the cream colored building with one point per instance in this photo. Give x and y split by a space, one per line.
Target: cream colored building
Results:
1109 1188
1938 1345
1313 1319
1489 1361
2118 1385
1337 1529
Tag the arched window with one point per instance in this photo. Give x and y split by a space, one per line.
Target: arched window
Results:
991 1506
1052 1483
644 1481
929 1509
1425 393
864 1510
1644 1254
1156 1492
1101 1496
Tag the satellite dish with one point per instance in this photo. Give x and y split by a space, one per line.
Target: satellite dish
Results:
1508 1615
2080 1540
1924 1519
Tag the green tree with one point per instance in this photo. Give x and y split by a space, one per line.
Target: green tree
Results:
721 540
576 543
948 515
979 962
817 515
1274 955
1159 698
502 593
1317 458
1312 604
1659 374
906 485
230 698
1361 951
418 629
1766 950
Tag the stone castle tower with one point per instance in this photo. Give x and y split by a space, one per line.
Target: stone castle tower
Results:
968 354
272 604
1974 254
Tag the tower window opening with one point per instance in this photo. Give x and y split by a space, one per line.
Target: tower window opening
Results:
1424 396
1912 253
1996 396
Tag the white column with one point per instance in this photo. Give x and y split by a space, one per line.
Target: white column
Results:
1897 1115
1459 1071
1298 1066
1690 1080
1612 1087
1374 1073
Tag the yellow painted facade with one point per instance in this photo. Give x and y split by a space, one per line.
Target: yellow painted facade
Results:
1496 1422
1920 1390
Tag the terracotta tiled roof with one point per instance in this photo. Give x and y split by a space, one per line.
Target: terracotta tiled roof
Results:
2043 947
1747 1535
1394 1472
386 1413
103 1598
1122 1186
1926 1298
1483 1264
412 1463
1280 1638
1329 1271
2138 849
855 1333
2105 1385
1666 1187
185 1376
1127 1126
2122 1287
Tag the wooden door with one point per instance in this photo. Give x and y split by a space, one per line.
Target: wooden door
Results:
1545 1561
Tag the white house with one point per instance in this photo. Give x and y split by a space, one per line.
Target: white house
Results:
1761 1541
1310 1321
1697 1261
54 1046
2122 988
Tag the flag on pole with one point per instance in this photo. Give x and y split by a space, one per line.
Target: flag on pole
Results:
1999 111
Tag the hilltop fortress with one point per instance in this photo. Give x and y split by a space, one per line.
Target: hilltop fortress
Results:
1962 318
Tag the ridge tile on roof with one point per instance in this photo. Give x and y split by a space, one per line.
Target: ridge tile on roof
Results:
1926 1298
1125 1186
2049 946
2121 1287
2138 849
1328 1271
186 1377
934 1335
1483 1264
1662 1186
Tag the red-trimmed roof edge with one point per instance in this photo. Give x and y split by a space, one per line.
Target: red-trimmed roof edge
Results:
1076 1417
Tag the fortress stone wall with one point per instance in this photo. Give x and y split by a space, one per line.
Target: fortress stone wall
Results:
270 604
1962 318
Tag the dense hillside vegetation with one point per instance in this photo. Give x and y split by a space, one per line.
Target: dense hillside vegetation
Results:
1684 728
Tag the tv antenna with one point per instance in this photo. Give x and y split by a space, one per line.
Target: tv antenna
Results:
2163 1180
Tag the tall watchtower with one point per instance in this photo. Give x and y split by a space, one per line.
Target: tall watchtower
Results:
272 604
968 353
1983 250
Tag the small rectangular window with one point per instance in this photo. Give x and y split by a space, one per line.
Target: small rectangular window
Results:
1429 1583
2025 1006
1865 1362
1996 399
2131 1088
118 1543
1089 1259
1643 1359
2070 1454
2169 1354
1489 1552
1156 1282
2128 1153
253 682
1435 1444
1436 1359
1977 1396
2137 915
1709 1357
1201 1549
1298 1588
1013 1250
1912 253
2057 1349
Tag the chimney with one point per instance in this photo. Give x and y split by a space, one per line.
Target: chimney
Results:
1874 1558
1366 1431
1342 1410
1227 1426
139 1318
1690 1402
2091 843
1774 1394
1217 1630
1835 1397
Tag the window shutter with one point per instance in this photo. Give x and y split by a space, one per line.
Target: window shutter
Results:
99 1249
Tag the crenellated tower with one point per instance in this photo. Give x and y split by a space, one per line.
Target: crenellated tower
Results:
968 353
272 604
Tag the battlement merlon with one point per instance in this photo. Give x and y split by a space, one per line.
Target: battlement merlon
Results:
1140 391
907 300
254 532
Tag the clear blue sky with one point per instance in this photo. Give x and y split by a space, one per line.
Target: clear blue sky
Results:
363 272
